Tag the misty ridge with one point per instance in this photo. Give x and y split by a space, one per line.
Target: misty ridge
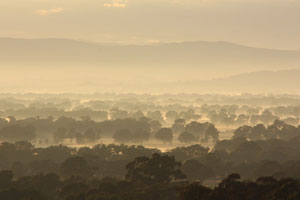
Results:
57 64
189 54
281 81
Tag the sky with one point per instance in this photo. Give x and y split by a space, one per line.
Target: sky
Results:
258 23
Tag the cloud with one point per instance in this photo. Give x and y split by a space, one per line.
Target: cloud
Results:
153 41
116 4
44 12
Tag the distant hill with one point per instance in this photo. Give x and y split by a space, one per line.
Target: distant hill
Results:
70 65
202 56
282 81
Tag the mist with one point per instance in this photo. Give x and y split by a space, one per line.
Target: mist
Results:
140 99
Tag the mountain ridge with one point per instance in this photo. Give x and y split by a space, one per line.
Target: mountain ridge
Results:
143 45
191 59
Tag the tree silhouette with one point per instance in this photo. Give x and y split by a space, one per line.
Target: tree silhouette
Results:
157 169
165 135
123 136
186 137
76 166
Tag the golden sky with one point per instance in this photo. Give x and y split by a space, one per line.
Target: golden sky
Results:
259 23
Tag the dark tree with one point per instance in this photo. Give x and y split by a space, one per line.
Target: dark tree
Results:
242 132
6 179
196 171
140 135
158 169
155 126
212 132
165 135
76 166
91 135
60 134
178 125
186 137
171 115
195 191
258 132
123 136
155 115
16 132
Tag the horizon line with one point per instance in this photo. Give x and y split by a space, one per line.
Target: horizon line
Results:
146 44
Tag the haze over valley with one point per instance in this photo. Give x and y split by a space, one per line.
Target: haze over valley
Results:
149 99
92 67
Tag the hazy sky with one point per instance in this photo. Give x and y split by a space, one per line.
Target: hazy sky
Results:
260 23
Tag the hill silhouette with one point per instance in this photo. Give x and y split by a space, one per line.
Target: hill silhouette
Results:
193 55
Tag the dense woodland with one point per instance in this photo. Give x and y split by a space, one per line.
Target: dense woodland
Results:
261 169
55 148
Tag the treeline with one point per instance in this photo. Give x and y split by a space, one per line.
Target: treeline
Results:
154 177
266 158
52 187
112 113
252 159
128 130
265 117
233 188
159 108
243 99
277 130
